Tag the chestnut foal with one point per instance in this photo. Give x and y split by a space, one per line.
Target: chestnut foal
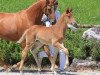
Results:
37 36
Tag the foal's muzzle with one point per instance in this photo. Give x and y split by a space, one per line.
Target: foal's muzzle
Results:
73 26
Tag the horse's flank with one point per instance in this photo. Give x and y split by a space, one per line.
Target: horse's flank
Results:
12 25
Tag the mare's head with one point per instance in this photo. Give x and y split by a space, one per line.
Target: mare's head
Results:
49 9
71 23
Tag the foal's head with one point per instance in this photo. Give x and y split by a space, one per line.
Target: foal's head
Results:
71 23
49 9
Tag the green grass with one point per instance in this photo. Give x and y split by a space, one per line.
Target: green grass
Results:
85 11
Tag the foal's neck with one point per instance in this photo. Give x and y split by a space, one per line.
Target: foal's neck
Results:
35 12
61 24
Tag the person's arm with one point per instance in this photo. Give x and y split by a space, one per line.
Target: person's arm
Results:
44 18
57 14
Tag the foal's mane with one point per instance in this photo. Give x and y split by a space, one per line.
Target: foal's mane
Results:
60 19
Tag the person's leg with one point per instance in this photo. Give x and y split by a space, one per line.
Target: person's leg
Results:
34 52
62 59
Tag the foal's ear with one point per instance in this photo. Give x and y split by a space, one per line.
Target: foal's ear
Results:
68 10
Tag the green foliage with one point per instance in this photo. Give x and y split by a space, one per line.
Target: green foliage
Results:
95 52
75 43
10 51
85 11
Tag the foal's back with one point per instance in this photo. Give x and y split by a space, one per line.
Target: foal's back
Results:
42 32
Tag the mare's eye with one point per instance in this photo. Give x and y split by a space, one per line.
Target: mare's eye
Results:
49 9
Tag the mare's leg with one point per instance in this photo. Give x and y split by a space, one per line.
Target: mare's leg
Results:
34 52
61 46
18 64
3 64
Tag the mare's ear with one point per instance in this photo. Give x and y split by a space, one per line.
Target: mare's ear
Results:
47 1
56 2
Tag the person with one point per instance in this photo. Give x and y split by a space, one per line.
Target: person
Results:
47 22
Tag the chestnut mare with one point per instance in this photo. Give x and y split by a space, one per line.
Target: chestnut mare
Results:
36 36
12 25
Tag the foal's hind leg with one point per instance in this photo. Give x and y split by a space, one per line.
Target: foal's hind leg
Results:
34 52
24 54
54 59
29 43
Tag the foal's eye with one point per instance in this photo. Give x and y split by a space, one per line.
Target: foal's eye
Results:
69 16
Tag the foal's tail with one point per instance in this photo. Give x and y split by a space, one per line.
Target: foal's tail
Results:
22 38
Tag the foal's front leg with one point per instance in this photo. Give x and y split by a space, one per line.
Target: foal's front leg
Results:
61 46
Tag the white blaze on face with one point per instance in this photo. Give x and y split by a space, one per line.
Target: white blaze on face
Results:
72 27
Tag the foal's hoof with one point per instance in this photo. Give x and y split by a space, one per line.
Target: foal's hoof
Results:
11 69
52 69
56 66
39 69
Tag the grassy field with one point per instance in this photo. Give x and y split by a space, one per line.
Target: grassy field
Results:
85 11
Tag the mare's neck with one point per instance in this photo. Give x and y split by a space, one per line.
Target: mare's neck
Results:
35 12
61 24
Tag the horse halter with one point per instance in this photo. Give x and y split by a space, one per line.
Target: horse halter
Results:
47 5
